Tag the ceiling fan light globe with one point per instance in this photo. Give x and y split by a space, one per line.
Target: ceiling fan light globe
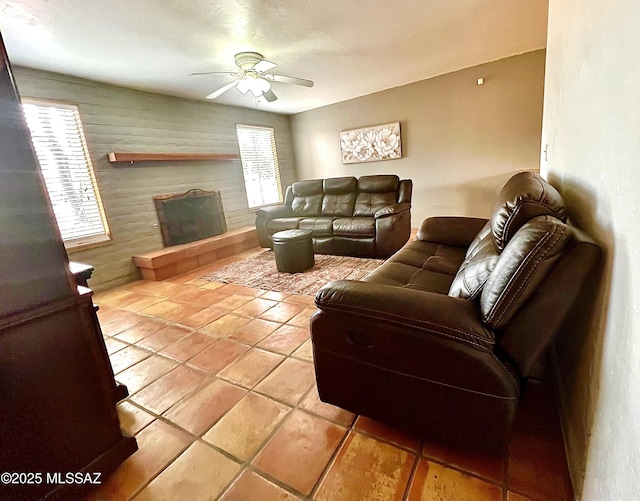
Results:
256 85
263 84
243 85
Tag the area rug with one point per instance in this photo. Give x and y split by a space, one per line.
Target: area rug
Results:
260 272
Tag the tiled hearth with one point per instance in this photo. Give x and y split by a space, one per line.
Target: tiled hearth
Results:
224 406
168 262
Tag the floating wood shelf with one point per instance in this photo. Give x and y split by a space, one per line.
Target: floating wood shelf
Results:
166 157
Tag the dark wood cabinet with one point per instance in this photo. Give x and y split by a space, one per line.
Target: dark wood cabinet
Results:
82 273
57 392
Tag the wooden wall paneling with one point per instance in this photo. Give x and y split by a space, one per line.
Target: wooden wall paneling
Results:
116 119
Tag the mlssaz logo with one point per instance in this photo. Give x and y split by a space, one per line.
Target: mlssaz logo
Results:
77 478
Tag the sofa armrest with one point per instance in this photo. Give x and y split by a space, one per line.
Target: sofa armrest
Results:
457 231
421 335
263 216
274 211
393 228
391 210
455 319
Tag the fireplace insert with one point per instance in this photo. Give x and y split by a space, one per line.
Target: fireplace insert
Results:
190 216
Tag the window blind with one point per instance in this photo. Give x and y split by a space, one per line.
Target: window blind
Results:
56 132
259 165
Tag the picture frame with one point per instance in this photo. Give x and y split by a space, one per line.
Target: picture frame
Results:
371 144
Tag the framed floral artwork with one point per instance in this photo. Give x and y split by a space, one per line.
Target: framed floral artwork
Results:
371 144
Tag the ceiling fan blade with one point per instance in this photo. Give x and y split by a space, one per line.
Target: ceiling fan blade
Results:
222 90
213 73
290 80
269 96
264 65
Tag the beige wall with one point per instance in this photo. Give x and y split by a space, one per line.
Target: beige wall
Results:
592 127
460 141
120 119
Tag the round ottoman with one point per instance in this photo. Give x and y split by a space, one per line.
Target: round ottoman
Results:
293 250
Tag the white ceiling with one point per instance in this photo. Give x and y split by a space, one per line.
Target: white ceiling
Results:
349 48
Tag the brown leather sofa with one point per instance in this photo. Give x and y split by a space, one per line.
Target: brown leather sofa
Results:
369 216
441 338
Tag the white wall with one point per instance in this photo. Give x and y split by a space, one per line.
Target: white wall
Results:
120 119
592 125
460 141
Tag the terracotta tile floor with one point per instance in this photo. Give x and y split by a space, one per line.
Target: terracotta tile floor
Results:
224 406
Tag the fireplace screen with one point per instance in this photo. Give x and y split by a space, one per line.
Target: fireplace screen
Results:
189 216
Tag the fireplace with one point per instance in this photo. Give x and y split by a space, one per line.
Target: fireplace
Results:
189 216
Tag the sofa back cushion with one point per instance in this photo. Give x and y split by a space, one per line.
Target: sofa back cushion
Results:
375 192
523 264
405 188
525 196
339 196
482 256
307 197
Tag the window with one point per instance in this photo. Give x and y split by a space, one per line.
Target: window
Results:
59 143
259 165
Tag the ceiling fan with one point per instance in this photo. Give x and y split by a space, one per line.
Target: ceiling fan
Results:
253 76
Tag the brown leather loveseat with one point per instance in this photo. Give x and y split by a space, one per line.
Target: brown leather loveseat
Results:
441 337
369 216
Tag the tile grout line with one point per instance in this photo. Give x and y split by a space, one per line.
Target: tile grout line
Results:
332 460
200 386
459 469
414 469
252 389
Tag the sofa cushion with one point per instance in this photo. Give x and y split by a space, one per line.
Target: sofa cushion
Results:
282 223
523 264
524 196
367 204
420 265
340 185
319 226
374 193
382 183
430 255
306 188
392 273
437 272
482 255
478 240
441 264
339 196
430 281
307 197
350 246
356 227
